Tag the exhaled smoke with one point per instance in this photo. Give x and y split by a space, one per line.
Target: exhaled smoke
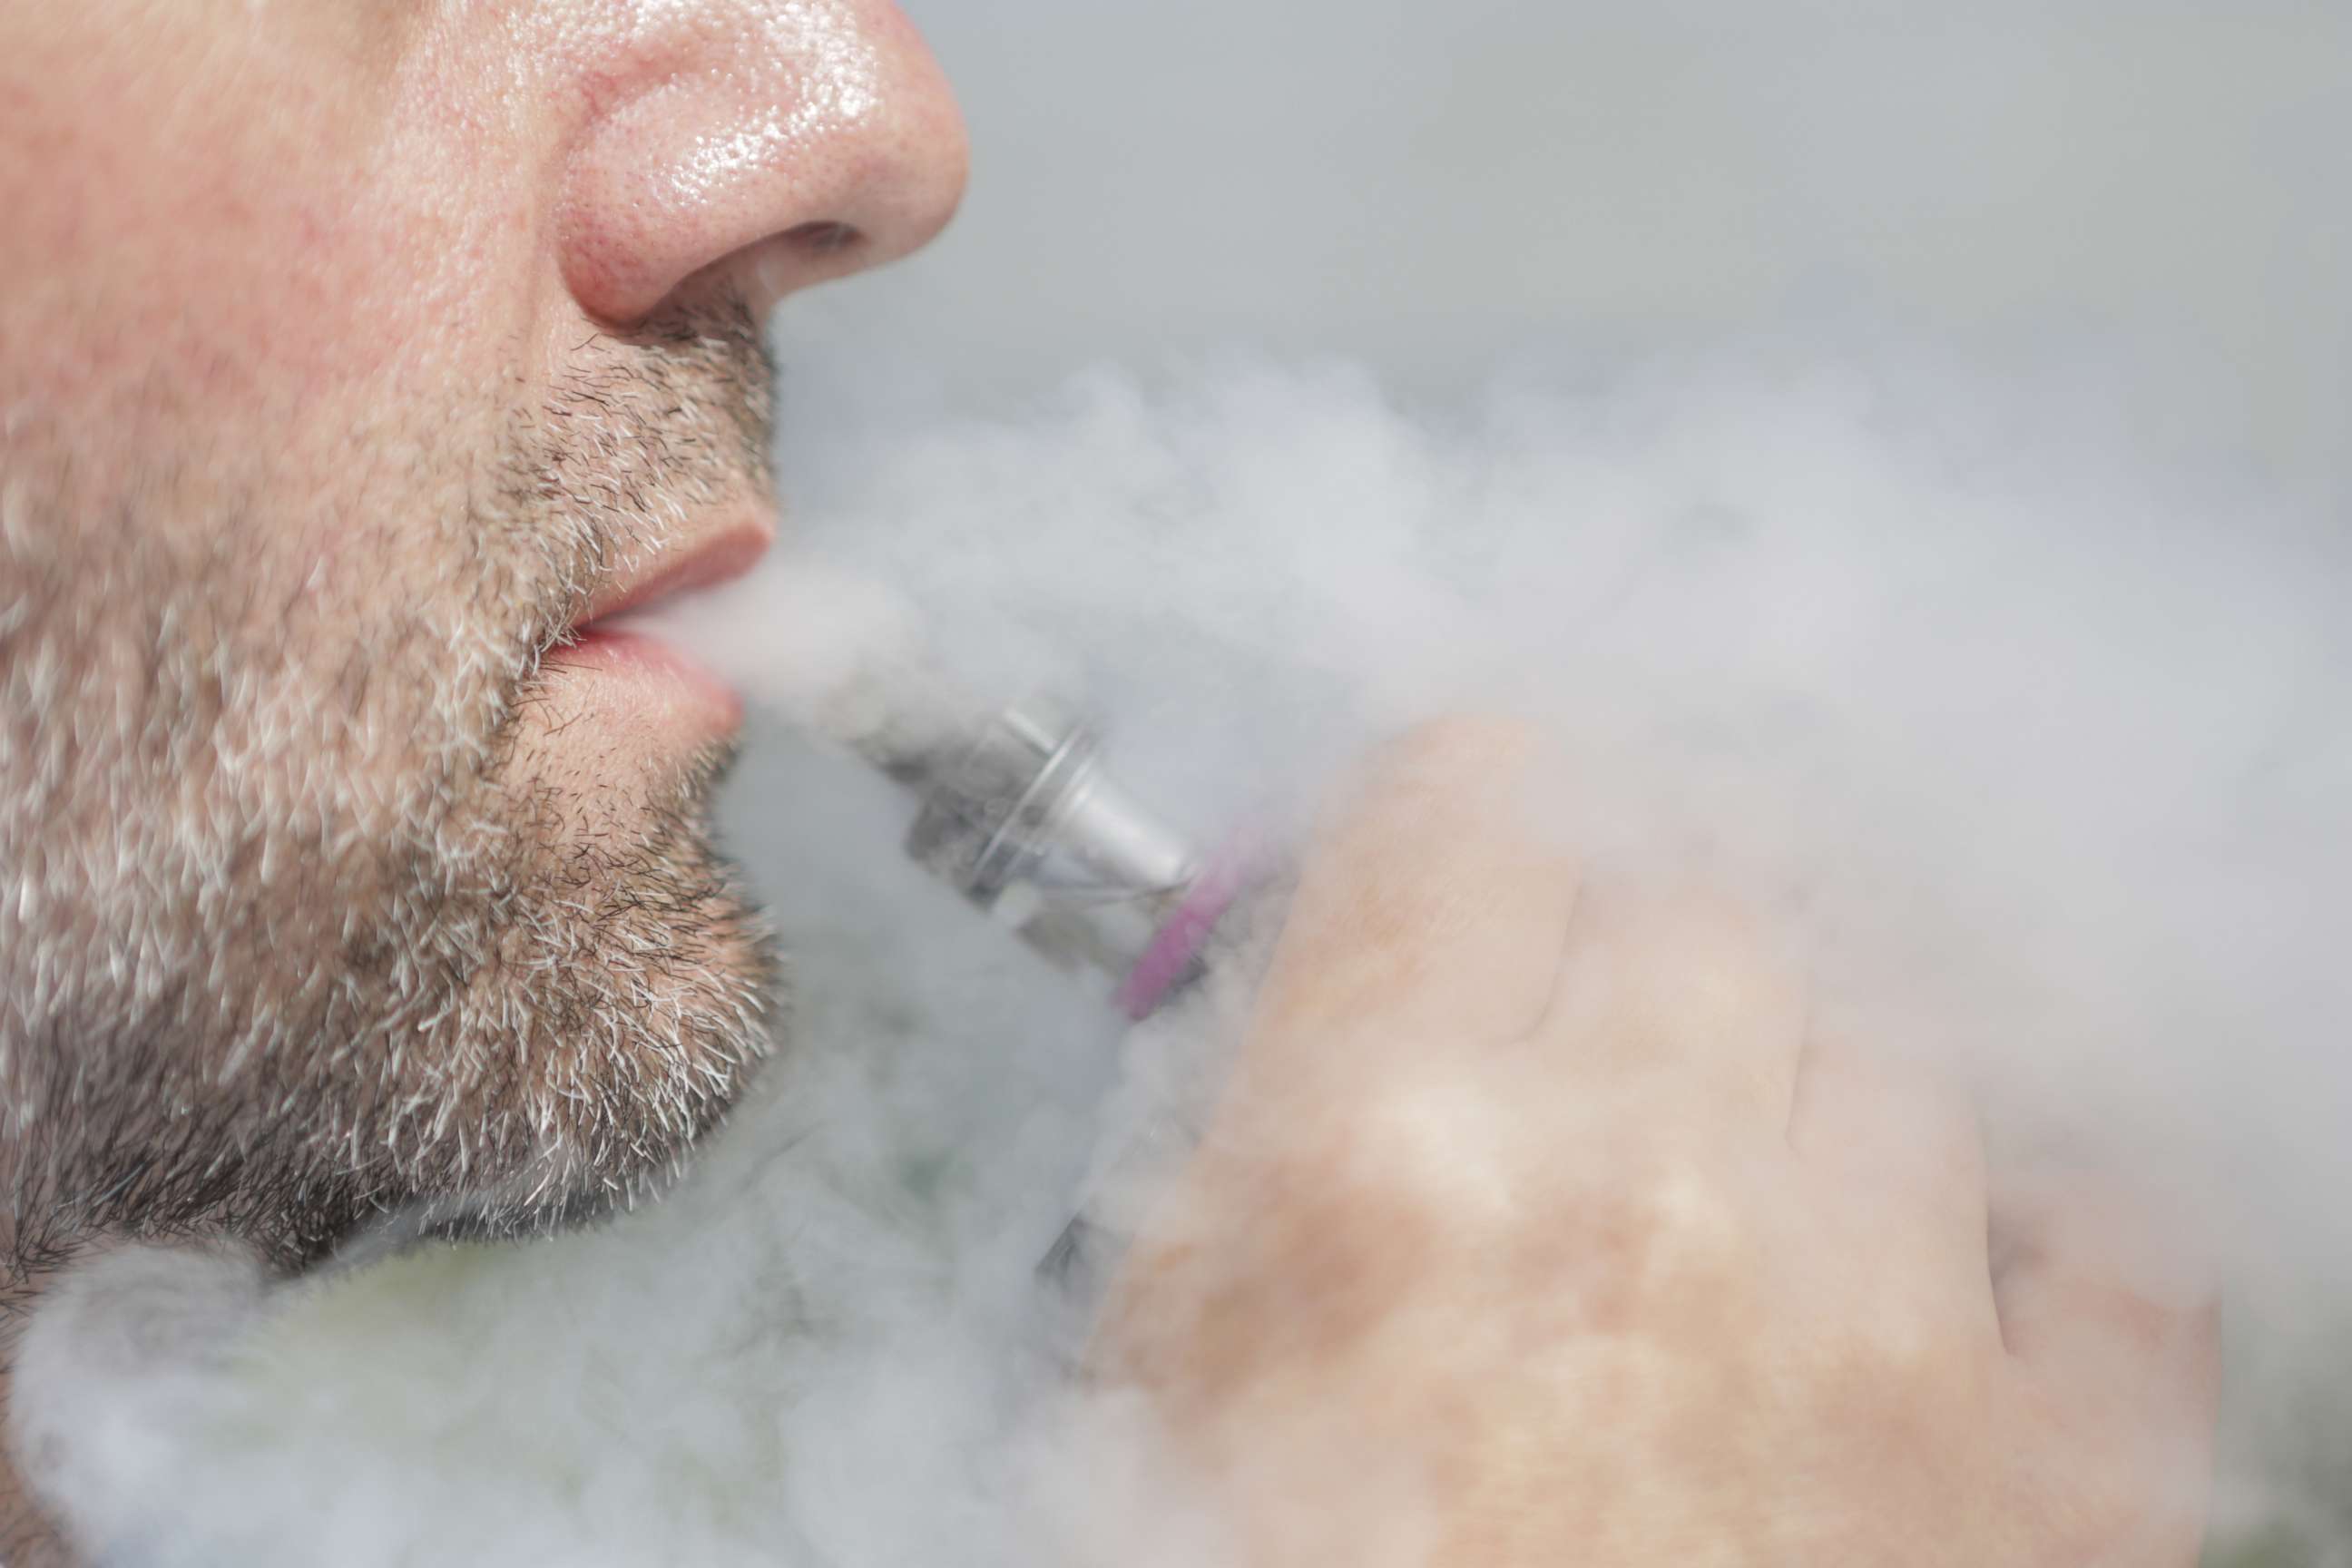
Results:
2037 741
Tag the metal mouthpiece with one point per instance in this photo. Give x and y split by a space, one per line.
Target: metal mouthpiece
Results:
1025 824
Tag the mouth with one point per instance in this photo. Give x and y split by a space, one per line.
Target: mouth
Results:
703 558
637 678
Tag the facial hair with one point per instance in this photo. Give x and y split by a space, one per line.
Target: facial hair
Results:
292 932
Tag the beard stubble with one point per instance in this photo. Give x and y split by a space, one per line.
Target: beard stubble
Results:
295 933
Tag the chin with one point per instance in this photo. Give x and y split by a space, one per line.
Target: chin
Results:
619 1022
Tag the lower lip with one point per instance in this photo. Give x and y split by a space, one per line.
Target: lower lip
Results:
652 679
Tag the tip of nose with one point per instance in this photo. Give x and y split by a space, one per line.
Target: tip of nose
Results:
651 209
898 211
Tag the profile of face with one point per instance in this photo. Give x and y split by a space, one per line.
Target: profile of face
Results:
354 356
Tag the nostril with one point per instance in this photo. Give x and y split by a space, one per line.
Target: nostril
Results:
824 240
770 156
805 254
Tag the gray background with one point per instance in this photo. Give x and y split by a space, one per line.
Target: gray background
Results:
1434 186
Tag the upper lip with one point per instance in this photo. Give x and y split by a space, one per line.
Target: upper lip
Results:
695 557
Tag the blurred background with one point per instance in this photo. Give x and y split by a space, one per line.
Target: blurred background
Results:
1437 187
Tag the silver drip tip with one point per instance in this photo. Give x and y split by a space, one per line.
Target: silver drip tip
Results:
1024 822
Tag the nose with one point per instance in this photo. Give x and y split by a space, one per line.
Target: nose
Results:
780 142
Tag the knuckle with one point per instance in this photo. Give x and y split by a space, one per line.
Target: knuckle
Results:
1897 1381
1897 1347
1664 1234
1900 1351
1694 1220
1462 745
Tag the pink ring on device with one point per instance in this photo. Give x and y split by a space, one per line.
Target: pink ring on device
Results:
1185 934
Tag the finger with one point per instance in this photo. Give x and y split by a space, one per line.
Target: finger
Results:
1436 903
2101 1298
1896 1147
1682 994
2112 1319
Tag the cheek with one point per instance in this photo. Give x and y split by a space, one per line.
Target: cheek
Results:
291 289
283 228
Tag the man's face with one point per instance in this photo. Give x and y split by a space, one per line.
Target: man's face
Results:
353 355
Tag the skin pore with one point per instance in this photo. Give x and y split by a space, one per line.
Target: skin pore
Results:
354 352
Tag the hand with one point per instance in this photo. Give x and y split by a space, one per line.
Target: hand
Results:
1540 1225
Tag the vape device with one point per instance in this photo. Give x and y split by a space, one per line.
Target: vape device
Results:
1016 812
1020 817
